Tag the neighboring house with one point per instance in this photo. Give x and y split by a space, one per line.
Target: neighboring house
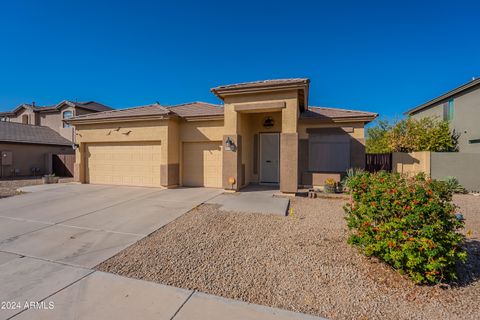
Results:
265 133
52 116
461 107
26 149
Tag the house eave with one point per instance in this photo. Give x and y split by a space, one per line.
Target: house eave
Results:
445 96
117 119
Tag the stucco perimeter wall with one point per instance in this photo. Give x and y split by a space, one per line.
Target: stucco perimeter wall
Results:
441 165
27 156
411 163
463 166
115 132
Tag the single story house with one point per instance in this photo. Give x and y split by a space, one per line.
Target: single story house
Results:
27 150
265 133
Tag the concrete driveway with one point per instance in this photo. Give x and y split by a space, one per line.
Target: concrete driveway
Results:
52 237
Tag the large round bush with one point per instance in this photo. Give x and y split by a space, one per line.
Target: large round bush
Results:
407 222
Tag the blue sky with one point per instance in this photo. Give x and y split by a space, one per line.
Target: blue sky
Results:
382 56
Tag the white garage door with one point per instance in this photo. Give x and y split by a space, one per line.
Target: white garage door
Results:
202 164
132 164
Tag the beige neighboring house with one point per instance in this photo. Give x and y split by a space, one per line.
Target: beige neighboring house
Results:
30 135
461 107
265 133
52 116
26 149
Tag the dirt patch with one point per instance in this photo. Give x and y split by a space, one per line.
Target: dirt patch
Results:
8 187
300 263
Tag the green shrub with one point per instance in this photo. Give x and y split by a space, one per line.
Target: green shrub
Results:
407 222
454 186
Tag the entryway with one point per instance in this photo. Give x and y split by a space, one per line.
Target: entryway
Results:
269 158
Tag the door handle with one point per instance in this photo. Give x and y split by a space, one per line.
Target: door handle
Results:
268 161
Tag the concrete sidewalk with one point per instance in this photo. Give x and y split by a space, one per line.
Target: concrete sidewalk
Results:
253 199
98 295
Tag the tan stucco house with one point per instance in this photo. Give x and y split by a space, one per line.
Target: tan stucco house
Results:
265 132
31 135
26 150
52 116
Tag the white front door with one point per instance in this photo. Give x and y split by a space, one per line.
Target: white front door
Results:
269 157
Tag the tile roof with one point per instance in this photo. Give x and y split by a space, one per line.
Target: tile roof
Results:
26 133
449 94
334 113
196 109
148 110
263 83
88 105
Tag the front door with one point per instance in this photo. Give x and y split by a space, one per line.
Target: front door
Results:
269 157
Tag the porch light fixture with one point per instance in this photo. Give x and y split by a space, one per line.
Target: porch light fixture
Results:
75 146
229 145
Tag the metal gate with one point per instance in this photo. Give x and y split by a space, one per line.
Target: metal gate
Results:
378 161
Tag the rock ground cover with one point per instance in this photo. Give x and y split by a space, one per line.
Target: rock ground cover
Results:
300 263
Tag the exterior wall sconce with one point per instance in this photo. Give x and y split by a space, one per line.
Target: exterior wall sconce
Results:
229 145
75 146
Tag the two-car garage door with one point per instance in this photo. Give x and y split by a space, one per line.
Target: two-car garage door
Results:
133 164
138 164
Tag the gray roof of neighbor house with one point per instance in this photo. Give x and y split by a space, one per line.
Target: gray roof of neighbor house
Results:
262 84
27 133
335 113
154 109
88 105
444 96
196 109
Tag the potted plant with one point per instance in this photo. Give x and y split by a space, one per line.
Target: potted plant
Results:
330 186
50 178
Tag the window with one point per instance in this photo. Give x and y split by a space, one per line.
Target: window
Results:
448 110
329 153
25 119
67 115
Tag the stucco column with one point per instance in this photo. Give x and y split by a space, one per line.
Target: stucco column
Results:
289 162
79 166
231 163
170 167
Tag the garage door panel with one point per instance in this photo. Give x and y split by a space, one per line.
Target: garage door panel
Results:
202 164
136 164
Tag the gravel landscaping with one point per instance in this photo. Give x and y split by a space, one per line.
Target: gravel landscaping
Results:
300 263
8 187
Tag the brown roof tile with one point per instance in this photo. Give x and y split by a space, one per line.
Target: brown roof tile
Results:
263 83
147 110
196 109
334 113
26 133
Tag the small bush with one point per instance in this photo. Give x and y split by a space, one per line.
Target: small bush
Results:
454 186
407 222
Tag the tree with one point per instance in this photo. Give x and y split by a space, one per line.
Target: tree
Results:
409 135
376 137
